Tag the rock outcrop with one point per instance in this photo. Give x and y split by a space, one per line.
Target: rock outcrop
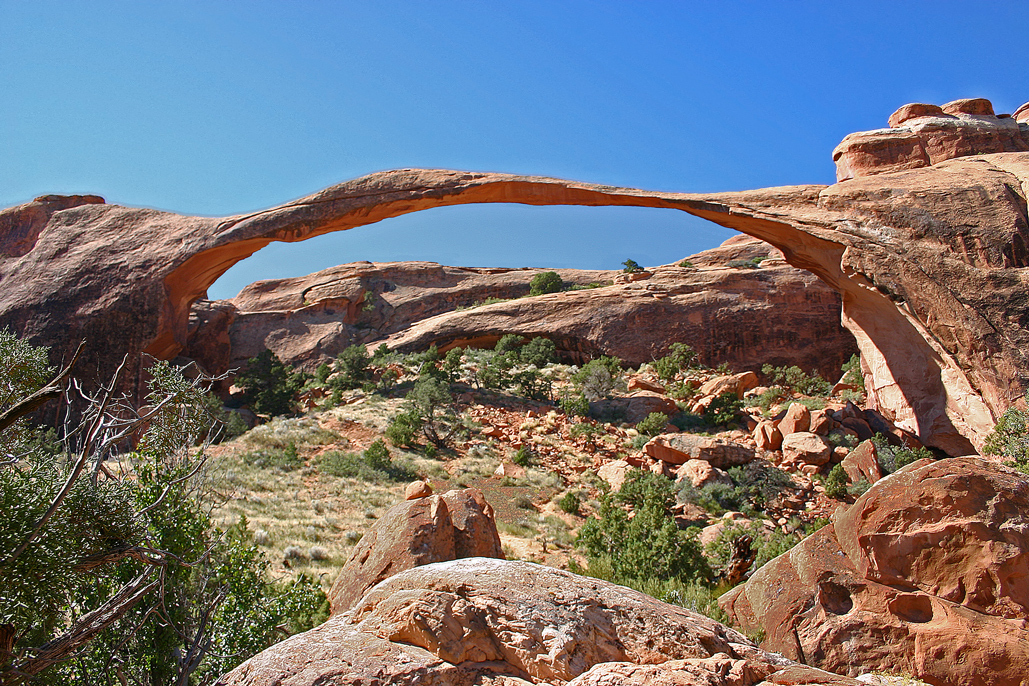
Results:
779 315
418 531
924 575
486 621
921 135
930 263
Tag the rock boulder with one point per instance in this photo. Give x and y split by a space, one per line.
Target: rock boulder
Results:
923 575
479 620
420 531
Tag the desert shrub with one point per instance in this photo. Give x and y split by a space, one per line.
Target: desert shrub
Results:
688 422
522 457
570 502
269 385
545 282
1010 439
794 378
653 424
403 429
687 264
598 377
575 405
754 485
836 482
891 457
647 546
284 459
540 351
387 380
351 366
723 409
434 406
857 490
852 372
680 357
282 431
631 267
322 372
752 263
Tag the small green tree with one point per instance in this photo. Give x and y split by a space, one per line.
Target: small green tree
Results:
631 267
269 385
653 424
647 546
430 398
1010 438
597 377
723 409
545 282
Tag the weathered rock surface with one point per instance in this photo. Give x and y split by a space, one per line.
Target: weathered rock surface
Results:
634 407
924 574
415 532
931 263
921 135
486 621
679 448
783 316
804 447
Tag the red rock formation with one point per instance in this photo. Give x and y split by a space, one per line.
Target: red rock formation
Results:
931 264
479 620
416 532
777 315
921 135
923 575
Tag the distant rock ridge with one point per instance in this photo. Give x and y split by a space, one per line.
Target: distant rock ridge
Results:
931 264
778 314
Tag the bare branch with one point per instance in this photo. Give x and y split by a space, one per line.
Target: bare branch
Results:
87 626
52 390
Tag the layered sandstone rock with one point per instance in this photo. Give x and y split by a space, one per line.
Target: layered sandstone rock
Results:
418 531
486 621
679 448
782 316
921 135
923 575
930 262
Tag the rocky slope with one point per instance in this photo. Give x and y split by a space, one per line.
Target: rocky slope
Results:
776 314
930 262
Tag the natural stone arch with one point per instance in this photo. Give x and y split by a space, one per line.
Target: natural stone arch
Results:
898 305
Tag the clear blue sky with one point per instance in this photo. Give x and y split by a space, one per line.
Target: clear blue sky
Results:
218 108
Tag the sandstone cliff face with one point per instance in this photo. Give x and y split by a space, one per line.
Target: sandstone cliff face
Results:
930 263
778 314
923 575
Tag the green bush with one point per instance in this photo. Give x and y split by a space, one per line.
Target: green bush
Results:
852 372
647 546
752 263
522 457
539 351
598 377
653 424
680 357
374 465
545 282
570 502
575 405
404 428
723 409
631 267
795 379
754 485
687 264
269 385
836 482
891 458
1010 439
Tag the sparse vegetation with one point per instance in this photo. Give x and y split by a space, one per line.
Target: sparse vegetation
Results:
269 386
631 267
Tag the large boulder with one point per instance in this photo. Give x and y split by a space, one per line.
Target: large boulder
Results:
487 621
924 575
420 531
680 448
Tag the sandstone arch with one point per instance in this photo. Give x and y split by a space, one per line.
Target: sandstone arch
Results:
932 285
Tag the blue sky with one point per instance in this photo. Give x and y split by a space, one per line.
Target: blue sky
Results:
218 108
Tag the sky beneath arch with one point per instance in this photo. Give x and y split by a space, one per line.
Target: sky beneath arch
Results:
219 108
